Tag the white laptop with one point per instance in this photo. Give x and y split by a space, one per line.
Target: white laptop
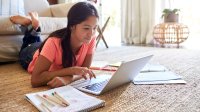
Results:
102 83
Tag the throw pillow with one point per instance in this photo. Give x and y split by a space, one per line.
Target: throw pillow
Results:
51 24
11 7
61 10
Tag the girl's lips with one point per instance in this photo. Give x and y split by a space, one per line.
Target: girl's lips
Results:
88 39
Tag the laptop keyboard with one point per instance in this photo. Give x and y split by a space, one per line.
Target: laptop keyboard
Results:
96 86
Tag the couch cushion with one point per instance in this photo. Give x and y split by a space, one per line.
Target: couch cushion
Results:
40 6
10 46
11 7
61 10
7 27
48 25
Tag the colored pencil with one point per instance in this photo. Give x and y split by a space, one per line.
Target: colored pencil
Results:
47 101
44 105
53 99
60 98
104 69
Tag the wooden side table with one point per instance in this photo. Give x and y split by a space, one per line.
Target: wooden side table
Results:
101 36
170 33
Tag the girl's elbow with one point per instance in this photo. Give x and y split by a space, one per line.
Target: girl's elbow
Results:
34 84
37 80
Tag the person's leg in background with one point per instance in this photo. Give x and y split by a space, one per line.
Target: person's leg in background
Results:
31 41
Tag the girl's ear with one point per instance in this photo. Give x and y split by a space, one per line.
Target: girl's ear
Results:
72 27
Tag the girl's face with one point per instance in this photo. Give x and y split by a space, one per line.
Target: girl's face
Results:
84 31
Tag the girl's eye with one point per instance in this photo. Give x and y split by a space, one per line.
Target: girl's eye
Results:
95 28
86 28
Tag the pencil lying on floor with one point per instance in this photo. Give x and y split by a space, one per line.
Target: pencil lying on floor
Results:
104 69
60 98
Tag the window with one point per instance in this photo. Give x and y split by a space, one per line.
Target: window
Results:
112 32
189 15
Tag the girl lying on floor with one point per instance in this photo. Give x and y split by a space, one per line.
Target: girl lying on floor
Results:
66 54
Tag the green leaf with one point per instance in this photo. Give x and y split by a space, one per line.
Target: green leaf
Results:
166 12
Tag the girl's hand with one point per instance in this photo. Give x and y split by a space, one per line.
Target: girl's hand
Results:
83 71
60 81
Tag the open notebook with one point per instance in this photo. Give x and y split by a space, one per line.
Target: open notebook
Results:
147 68
76 100
150 74
166 77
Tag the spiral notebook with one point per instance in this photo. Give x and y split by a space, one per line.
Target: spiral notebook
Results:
75 99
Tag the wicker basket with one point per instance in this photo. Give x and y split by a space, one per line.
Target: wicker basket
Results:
170 33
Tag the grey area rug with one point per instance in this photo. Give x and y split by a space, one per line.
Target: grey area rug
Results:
15 82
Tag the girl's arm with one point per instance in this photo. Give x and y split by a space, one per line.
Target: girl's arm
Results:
41 76
61 81
88 60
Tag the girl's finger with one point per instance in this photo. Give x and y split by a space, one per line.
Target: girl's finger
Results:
84 74
50 82
62 81
90 74
93 73
54 84
84 77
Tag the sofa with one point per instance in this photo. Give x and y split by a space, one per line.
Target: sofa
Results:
51 17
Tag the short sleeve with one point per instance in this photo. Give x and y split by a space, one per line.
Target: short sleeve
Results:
49 49
92 46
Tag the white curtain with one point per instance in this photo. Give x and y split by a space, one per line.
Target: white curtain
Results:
138 19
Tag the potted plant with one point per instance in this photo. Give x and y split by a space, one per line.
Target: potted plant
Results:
171 15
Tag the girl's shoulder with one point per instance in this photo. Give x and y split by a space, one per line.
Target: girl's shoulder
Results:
54 40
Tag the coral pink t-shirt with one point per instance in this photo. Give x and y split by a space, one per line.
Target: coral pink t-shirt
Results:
53 52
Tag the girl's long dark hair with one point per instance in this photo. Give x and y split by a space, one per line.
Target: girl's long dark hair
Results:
78 13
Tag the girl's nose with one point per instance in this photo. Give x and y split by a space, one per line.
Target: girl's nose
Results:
91 32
